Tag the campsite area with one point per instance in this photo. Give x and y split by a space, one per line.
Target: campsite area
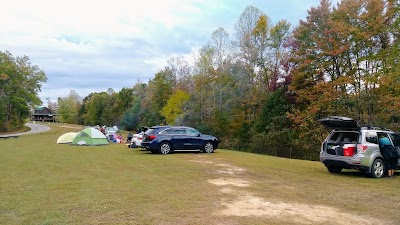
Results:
47 183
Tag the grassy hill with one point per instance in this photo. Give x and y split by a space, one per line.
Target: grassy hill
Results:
42 182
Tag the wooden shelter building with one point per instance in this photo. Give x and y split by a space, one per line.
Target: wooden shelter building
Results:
43 114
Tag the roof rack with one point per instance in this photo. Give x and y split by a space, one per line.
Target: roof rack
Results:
371 127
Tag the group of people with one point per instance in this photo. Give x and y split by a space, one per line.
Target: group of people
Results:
117 138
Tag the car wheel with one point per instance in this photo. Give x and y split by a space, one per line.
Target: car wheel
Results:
334 169
208 147
165 148
377 169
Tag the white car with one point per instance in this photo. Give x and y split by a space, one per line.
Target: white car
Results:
110 133
136 140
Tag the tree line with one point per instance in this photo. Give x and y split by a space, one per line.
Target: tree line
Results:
263 88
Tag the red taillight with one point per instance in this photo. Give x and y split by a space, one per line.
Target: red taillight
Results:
140 138
151 137
362 148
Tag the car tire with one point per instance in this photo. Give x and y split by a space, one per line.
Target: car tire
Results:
164 148
334 169
377 169
208 147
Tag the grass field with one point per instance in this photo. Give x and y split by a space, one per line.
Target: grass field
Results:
45 183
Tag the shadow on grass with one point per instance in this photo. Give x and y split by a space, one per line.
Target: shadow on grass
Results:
145 151
351 174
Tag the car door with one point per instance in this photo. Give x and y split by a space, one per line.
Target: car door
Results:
396 142
178 138
195 138
339 122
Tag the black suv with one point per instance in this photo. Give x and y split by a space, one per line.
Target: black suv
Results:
166 139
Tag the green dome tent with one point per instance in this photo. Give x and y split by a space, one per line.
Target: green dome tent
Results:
66 138
90 136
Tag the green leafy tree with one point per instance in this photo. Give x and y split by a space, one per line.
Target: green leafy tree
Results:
98 109
20 83
68 107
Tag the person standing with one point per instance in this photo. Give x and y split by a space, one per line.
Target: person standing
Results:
389 155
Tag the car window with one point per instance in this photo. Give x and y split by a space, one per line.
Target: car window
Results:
395 138
371 137
348 137
192 132
334 136
168 131
180 131
149 131
384 134
173 131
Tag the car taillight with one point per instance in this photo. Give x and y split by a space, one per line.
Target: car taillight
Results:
362 148
151 137
140 138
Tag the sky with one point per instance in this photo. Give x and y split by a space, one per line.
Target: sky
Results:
90 46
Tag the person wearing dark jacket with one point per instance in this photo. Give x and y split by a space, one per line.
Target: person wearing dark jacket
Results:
129 137
387 152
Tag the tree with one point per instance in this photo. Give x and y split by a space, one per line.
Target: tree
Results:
124 101
97 109
53 106
68 107
279 35
134 116
158 92
342 61
173 109
251 40
20 83
220 44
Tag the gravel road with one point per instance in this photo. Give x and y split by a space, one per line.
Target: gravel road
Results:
35 128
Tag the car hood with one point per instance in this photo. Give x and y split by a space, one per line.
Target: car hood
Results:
339 122
209 136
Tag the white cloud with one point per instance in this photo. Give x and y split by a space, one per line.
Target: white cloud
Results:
87 45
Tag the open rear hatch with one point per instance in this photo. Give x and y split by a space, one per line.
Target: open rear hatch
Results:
339 122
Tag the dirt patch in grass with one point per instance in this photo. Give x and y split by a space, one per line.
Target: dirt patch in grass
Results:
237 201
230 181
249 205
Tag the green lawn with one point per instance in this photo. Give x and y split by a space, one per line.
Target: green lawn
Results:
42 182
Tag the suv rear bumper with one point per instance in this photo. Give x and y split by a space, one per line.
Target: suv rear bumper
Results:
345 165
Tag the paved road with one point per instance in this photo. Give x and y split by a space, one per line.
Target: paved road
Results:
35 128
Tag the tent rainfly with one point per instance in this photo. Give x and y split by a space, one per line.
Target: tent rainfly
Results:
66 138
90 136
